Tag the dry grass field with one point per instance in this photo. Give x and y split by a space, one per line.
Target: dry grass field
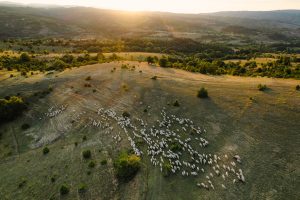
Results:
261 127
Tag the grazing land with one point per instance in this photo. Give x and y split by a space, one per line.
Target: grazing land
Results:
118 105
260 127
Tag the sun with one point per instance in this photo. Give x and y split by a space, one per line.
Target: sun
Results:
129 5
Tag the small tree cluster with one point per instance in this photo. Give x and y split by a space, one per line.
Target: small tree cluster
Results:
126 166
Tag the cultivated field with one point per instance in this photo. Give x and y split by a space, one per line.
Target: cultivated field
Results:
263 131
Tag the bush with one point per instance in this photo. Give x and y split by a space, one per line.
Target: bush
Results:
88 78
103 162
92 164
23 73
64 190
53 179
11 108
163 62
126 166
176 104
298 87
154 77
166 169
25 57
86 154
22 183
125 114
25 126
175 147
82 189
46 150
262 87
202 93
84 138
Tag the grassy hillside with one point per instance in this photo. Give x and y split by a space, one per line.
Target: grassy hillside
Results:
260 127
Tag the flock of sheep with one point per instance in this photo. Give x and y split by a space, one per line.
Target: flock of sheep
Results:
173 144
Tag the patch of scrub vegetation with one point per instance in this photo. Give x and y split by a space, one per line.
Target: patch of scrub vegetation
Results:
126 166
176 103
167 169
298 87
82 188
46 150
86 154
64 190
262 87
44 93
29 62
202 93
103 162
92 164
11 108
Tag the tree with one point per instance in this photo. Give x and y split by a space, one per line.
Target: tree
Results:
202 93
11 108
25 57
150 60
127 165
163 62
58 65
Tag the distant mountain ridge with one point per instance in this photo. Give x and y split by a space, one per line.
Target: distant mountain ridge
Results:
29 22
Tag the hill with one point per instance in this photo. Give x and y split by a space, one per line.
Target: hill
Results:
28 22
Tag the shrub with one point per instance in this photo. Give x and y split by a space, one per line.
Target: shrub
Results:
86 154
176 103
24 57
22 183
76 144
57 65
87 85
103 162
202 93
64 189
88 78
46 150
126 166
125 114
262 87
25 126
175 146
82 188
154 77
84 138
163 62
53 179
92 164
166 169
11 108
11 76
298 87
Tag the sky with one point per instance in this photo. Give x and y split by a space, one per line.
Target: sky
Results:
177 6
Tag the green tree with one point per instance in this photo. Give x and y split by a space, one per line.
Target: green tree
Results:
25 57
